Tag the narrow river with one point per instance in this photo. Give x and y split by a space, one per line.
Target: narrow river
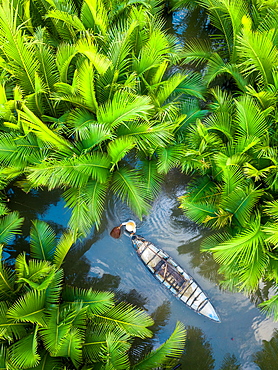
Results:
106 263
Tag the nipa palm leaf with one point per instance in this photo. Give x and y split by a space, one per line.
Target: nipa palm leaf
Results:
95 16
169 157
270 307
55 331
37 273
30 307
115 352
9 226
118 148
24 353
241 202
7 279
74 172
52 292
42 241
65 54
124 107
10 330
97 302
63 246
151 177
172 349
20 54
86 85
258 52
243 256
87 47
128 186
71 347
87 203
128 318
249 118
95 342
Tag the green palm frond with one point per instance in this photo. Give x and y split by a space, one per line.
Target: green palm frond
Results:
74 172
63 246
71 20
271 230
71 346
86 85
7 279
258 52
148 136
249 118
232 178
115 352
221 122
29 119
241 202
222 101
119 46
243 257
55 330
38 274
65 54
190 107
118 148
42 241
122 108
47 362
131 320
197 50
153 53
201 189
52 292
169 351
226 16
169 158
29 308
271 208
87 47
128 186
193 85
166 88
20 54
9 226
16 152
151 177
95 16
199 212
97 302
48 70
270 307
87 205
10 330
24 353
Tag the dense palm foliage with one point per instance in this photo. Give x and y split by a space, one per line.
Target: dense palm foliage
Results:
235 146
44 324
90 101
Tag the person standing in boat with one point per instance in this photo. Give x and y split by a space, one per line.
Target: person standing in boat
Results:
130 229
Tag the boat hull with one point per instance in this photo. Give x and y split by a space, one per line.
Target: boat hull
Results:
173 277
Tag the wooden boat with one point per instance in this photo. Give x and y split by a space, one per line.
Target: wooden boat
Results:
170 274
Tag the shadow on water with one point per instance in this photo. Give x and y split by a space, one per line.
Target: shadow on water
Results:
267 358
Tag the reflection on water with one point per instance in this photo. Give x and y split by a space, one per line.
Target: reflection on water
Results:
267 358
198 353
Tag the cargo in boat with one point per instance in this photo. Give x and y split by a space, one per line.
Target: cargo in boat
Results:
173 277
